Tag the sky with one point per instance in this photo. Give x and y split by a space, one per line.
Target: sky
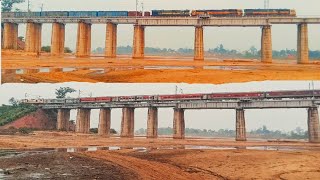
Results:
239 38
276 119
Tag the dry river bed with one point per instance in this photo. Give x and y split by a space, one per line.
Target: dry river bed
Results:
152 69
59 155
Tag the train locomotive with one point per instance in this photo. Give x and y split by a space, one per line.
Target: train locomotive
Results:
182 97
159 13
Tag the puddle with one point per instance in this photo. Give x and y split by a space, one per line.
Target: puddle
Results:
209 147
2 175
44 70
24 152
168 67
238 68
19 71
68 69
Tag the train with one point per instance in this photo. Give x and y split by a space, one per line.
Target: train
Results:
182 97
159 13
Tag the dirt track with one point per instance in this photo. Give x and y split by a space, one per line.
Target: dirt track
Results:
155 69
155 163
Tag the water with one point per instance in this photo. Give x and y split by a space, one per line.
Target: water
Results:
237 68
19 71
2 175
68 69
168 67
23 152
44 70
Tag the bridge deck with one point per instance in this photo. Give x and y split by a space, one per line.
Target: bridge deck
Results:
196 104
171 21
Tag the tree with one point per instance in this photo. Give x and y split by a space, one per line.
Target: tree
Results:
21 38
67 50
7 5
63 91
46 48
13 101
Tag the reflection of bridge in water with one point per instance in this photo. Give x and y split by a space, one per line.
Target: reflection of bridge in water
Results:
180 105
83 48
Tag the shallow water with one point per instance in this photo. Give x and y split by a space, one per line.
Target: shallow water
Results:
22 152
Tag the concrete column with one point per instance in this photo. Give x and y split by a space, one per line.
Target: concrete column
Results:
127 123
303 44
83 121
198 43
57 39
152 124
138 42
313 125
83 40
63 119
178 124
104 122
240 125
111 41
33 37
266 45
10 36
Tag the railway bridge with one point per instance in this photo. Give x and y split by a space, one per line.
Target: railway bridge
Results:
83 47
179 106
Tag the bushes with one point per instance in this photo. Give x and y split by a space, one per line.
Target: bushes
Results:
9 114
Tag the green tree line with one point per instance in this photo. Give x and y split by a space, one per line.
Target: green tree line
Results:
262 132
252 52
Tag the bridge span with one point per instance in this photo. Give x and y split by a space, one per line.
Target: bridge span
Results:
83 48
179 106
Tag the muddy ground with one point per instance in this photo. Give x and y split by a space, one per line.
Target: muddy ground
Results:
50 155
55 165
153 69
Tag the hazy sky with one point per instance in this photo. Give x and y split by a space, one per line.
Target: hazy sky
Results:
284 36
282 119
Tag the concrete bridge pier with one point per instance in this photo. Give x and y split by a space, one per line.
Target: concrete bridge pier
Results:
63 119
10 36
178 124
127 123
104 122
57 39
83 40
266 45
33 37
198 43
303 44
138 42
83 121
111 41
240 125
313 125
152 124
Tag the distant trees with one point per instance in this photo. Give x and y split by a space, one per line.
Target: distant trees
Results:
21 38
262 132
220 50
67 50
7 5
63 91
48 49
13 101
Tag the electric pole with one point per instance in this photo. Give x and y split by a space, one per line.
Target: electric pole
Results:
28 5
137 1
41 8
142 7
266 4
